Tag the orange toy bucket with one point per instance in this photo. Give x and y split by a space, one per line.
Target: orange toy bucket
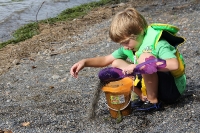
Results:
118 96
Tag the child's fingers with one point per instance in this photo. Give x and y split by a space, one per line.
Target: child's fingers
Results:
124 72
78 68
73 70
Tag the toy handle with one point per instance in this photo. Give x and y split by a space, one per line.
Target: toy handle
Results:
149 65
163 65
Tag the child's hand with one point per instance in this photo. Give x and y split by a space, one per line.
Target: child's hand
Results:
129 69
76 68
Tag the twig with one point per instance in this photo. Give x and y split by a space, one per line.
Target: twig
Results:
39 10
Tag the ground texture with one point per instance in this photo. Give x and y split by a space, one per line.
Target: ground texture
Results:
38 95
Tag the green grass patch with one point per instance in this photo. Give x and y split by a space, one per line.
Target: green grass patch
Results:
29 30
25 32
78 11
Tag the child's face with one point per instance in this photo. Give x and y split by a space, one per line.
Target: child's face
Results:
132 44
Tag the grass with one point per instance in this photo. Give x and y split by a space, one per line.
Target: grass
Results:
25 32
29 30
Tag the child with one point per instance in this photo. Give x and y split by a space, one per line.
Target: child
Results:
140 41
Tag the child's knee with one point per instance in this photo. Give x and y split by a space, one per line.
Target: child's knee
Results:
116 63
143 56
119 63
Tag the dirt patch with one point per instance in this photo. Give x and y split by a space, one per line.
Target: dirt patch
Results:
50 34
58 33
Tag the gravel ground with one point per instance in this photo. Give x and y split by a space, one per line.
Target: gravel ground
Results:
38 95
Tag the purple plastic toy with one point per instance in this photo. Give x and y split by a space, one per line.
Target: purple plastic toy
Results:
148 67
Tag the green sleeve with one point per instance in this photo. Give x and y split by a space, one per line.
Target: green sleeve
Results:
164 50
119 54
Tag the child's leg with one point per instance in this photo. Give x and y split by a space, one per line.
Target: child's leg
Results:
139 93
150 80
151 83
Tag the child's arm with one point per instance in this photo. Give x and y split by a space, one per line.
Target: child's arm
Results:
167 52
91 62
171 64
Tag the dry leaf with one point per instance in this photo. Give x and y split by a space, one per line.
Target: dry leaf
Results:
32 59
6 131
51 87
33 67
25 124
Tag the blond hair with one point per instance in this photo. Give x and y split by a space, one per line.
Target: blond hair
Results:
128 23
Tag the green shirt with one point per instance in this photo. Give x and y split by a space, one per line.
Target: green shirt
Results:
163 51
